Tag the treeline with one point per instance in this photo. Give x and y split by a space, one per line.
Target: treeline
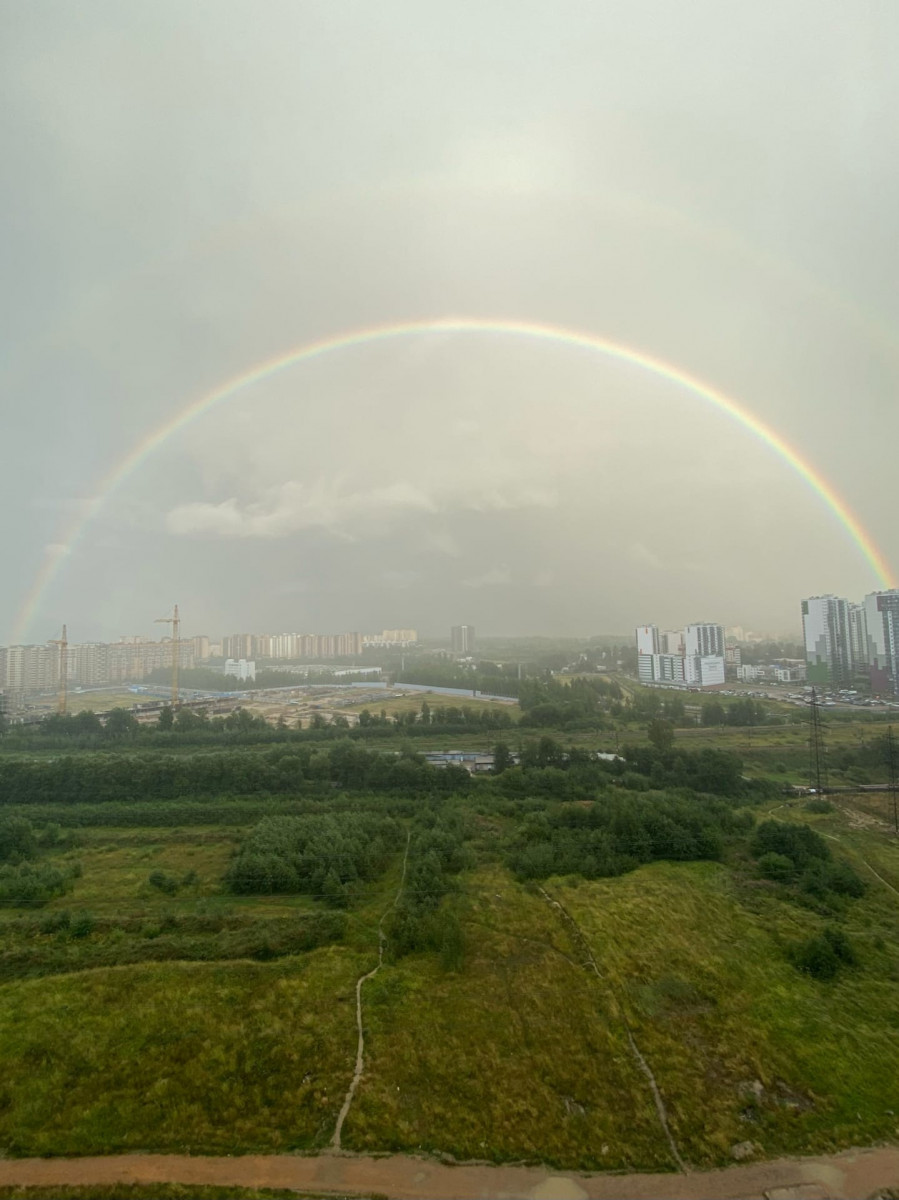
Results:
207 679
548 702
98 778
442 718
482 676
545 767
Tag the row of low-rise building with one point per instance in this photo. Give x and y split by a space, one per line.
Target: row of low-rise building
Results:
790 671
847 643
688 657
303 646
390 638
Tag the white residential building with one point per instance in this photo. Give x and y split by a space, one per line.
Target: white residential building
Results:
704 639
241 668
694 657
704 670
648 639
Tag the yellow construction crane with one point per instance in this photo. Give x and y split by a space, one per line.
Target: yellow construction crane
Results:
63 690
175 621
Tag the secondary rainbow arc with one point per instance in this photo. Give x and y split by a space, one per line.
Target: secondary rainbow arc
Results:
451 325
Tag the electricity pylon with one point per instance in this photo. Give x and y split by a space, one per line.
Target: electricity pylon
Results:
62 694
817 758
175 621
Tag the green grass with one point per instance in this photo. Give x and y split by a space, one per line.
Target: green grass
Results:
521 1053
171 1057
524 1053
434 700
715 1005
515 1057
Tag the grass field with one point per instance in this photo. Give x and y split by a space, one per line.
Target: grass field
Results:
103 701
413 703
138 1018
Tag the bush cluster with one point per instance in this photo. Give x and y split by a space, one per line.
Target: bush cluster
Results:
324 855
617 833
796 855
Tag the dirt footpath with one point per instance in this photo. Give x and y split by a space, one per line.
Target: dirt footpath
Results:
854 1175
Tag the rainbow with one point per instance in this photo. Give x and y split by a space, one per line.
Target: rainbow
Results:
65 545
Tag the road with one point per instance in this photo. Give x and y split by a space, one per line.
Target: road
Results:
854 1175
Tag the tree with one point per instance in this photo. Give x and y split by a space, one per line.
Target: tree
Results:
661 734
120 723
166 718
502 758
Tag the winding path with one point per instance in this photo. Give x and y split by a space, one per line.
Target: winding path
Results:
360 1045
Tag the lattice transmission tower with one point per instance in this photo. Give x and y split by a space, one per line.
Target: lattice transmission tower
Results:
817 752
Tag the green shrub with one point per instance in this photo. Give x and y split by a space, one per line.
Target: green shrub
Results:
777 867
164 883
82 925
822 956
30 885
819 804
824 879
799 843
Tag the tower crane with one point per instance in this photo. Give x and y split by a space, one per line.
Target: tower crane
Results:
63 688
175 621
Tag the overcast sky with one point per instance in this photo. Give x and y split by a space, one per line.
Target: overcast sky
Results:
190 188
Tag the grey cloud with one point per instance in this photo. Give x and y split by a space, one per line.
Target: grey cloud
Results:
192 189
292 507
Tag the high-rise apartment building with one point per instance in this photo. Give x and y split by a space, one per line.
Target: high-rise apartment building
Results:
29 668
704 639
858 639
881 611
827 635
672 641
239 645
647 639
462 639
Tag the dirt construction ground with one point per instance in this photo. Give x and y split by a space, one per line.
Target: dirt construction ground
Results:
854 1174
